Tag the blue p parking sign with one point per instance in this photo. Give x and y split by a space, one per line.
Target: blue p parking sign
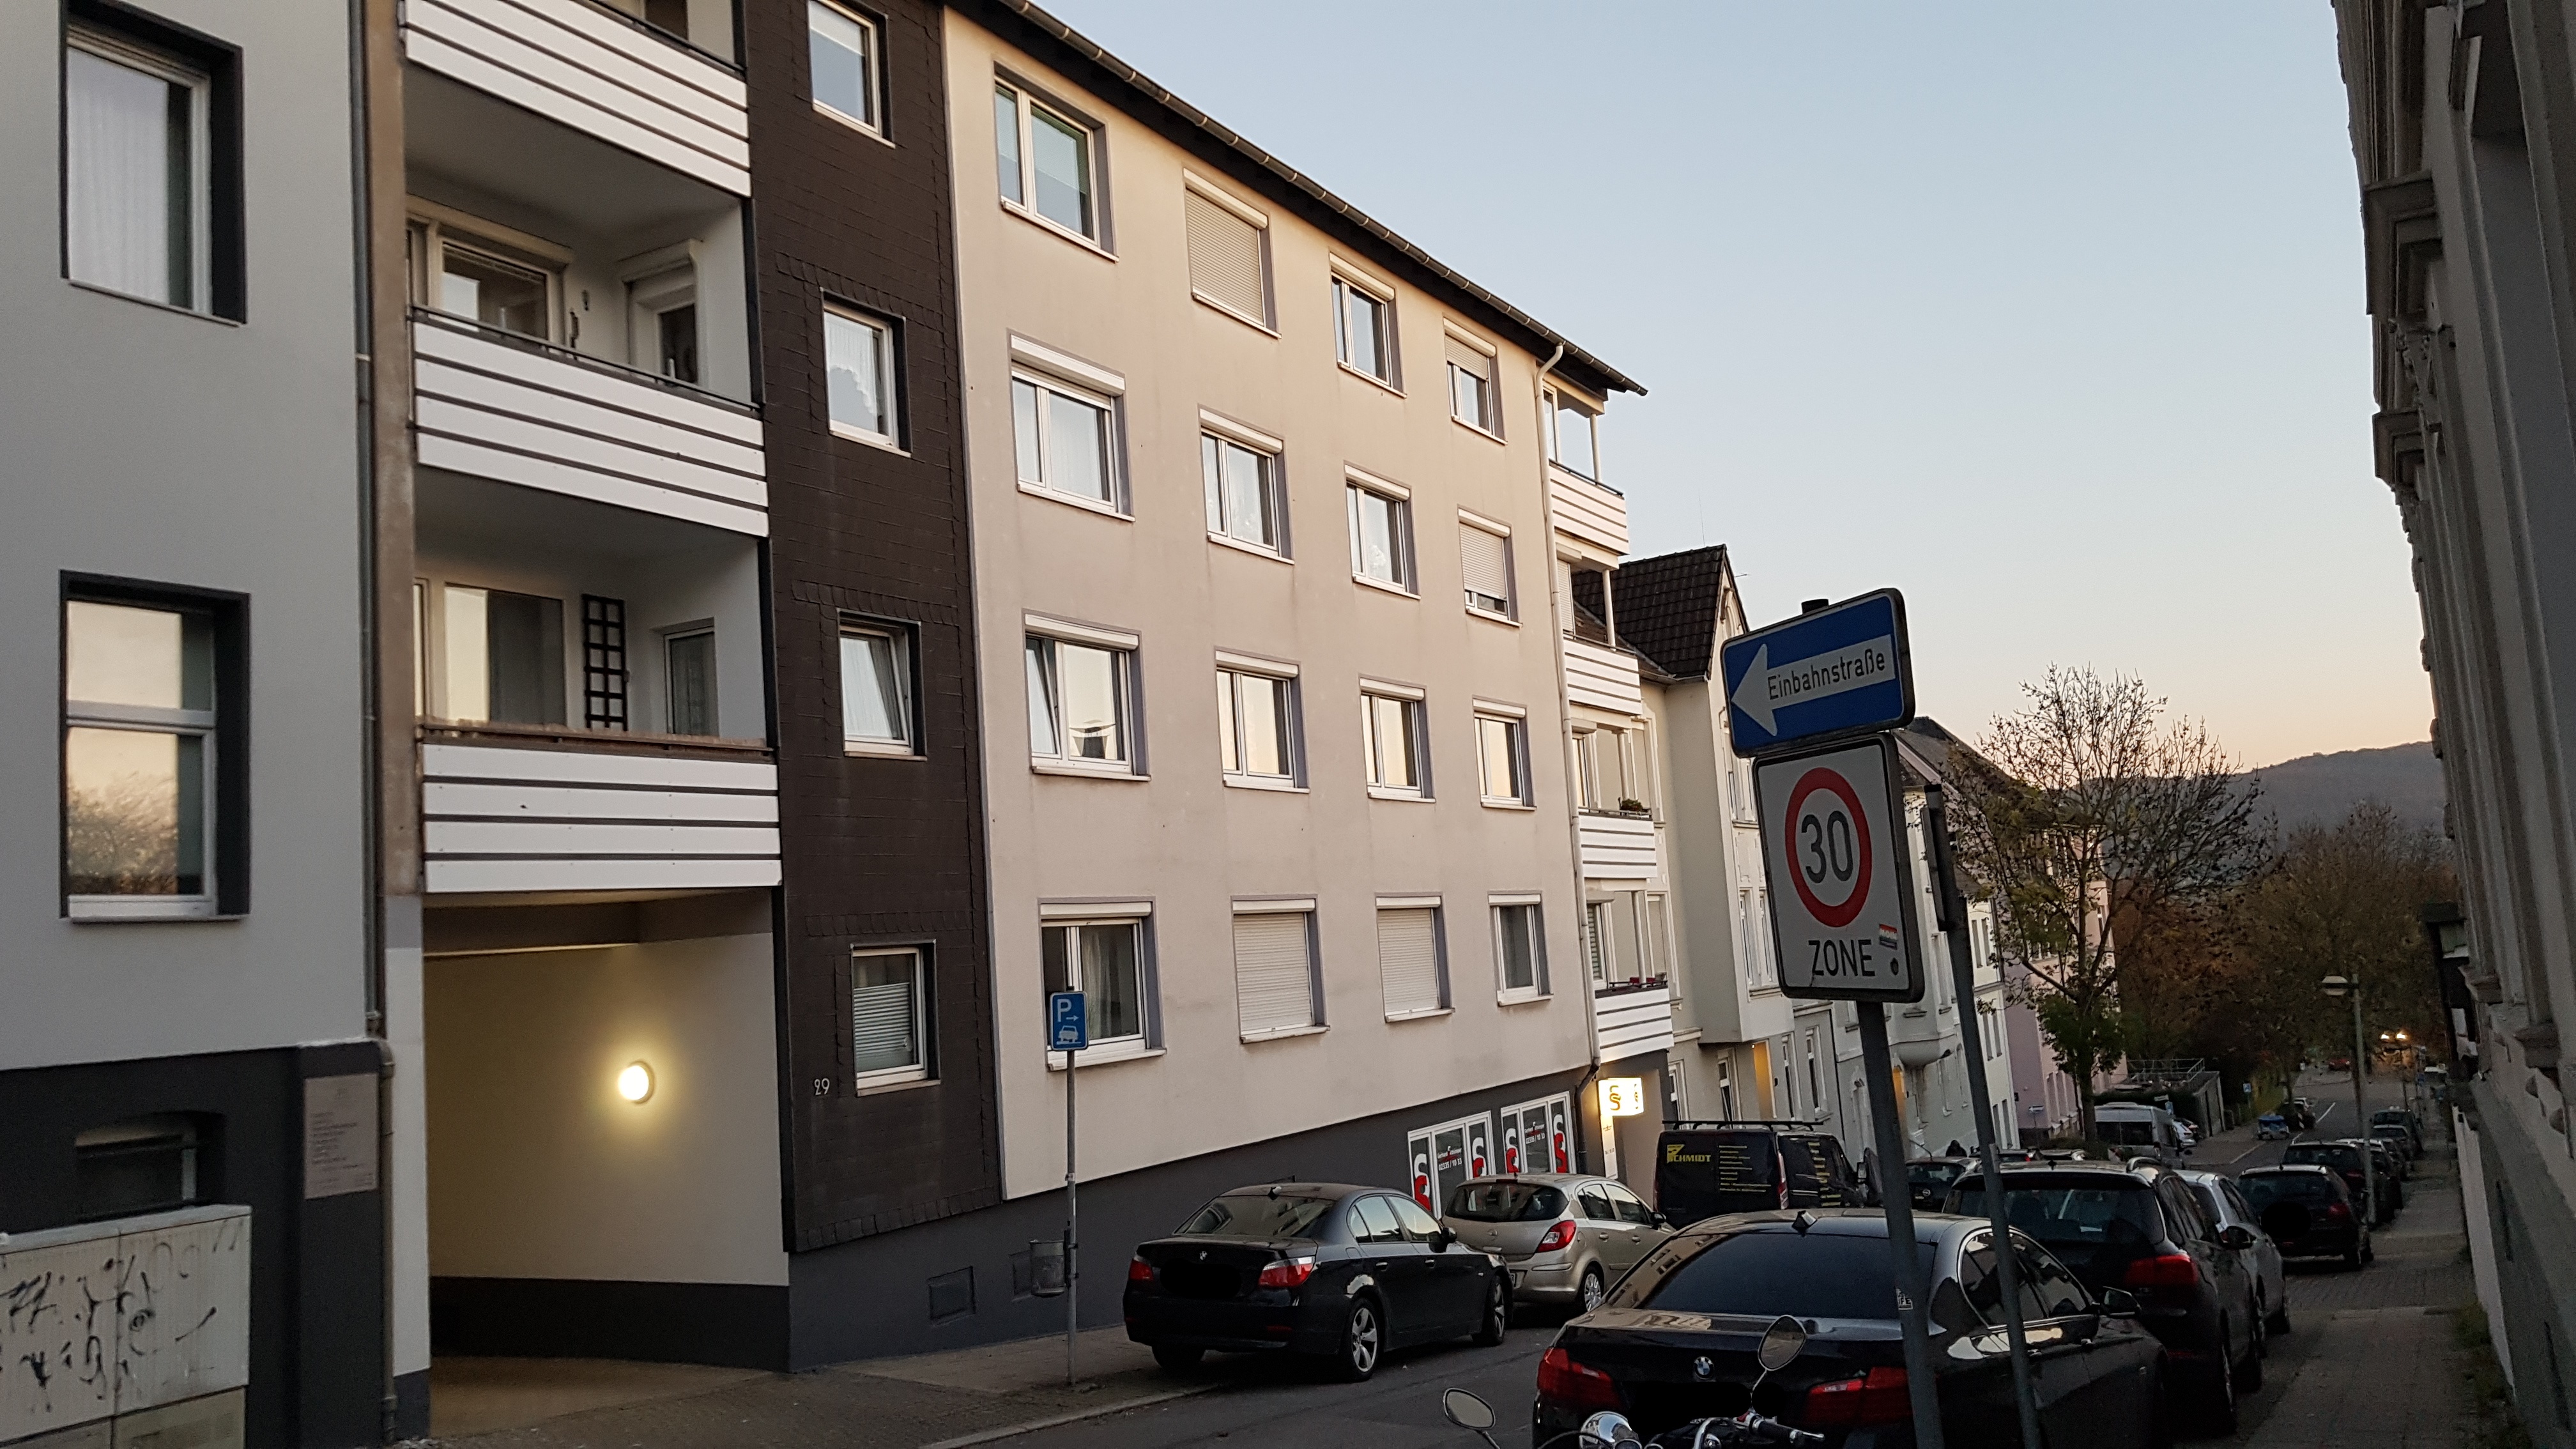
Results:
1068 1025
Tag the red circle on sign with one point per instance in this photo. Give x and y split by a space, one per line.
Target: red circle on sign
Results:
1827 780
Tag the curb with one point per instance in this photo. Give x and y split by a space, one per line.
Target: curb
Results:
1096 1411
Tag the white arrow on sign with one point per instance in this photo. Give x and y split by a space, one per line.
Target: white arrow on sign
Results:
1764 691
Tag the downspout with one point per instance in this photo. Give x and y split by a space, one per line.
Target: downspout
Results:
1565 735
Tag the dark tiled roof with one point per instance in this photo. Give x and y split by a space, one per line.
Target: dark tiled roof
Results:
1668 606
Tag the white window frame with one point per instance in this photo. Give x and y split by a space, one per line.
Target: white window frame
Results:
1446 1004
1490 424
900 642
116 49
1138 916
434 228
1225 432
1417 719
1557 398
199 724
1347 281
1505 993
889 358
872 124
919 1070
1095 157
1231 670
1130 697
1517 720
1510 613
1600 951
1304 908
1051 370
1408 573
1655 936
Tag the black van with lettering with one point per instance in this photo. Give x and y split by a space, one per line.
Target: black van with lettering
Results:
1703 1169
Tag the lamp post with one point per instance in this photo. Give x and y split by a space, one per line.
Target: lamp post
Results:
2339 987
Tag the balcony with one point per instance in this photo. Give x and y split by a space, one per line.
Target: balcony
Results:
1617 845
1602 677
583 65
510 408
1631 1019
1580 508
516 809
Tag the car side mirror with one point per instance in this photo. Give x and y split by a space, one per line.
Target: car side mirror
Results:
2237 1236
1441 1238
2119 1303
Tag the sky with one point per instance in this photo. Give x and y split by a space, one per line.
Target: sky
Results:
2048 315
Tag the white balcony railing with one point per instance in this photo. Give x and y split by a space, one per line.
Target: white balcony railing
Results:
1602 677
528 413
507 808
1617 847
598 73
1630 1020
1588 511
129 1331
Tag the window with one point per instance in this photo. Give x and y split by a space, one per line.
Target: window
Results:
1409 958
504 656
145 172
1597 947
145 1165
689 669
1573 435
1103 959
662 319
876 690
1244 500
889 1018
153 757
603 662
486 287
1392 730
1046 163
1079 707
1381 535
1471 385
1363 329
1520 949
1753 937
1225 241
858 362
1502 754
842 50
1656 937
1274 970
1257 726
1485 563
1063 439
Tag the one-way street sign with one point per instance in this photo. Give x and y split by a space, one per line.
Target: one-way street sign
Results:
1842 670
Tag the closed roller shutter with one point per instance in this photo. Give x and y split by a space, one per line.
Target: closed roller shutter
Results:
1486 561
1225 257
884 1007
1273 982
1469 359
1408 954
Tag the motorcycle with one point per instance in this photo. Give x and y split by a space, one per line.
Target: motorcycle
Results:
1782 1342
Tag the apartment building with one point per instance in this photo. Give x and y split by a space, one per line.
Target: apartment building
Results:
186 1067
2460 119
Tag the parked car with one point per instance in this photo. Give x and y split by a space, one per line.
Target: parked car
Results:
2271 1127
2391 1168
1928 1179
2142 1230
1344 1274
2399 1116
2142 1129
2188 1131
1563 1238
1703 1169
2393 1136
2308 1212
2344 1157
1677 1337
2302 1114
2228 1208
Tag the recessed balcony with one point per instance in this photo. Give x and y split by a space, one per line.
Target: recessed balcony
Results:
1593 512
515 809
1602 677
1630 1018
1617 845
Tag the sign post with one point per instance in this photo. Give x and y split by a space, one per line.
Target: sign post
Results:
1069 1031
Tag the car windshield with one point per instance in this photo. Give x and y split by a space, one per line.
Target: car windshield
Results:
2263 1189
2064 1211
1506 1202
1259 1215
2321 1154
1934 1174
1765 1274
2129 1134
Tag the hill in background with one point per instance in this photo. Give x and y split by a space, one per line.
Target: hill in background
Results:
2322 789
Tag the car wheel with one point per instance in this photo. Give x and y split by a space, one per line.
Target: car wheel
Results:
2160 1426
1176 1358
2249 1378
1363 1339
1593 1290
2280 1320
2220 1411
2369 1251
1498 1315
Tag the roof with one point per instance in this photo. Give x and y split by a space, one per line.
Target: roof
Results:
1193 128
1668 608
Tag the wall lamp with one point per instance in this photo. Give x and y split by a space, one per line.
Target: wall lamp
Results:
635 1082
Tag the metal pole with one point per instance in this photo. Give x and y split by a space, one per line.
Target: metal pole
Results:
2361 1113
1910 1288
1072 1277
1953 920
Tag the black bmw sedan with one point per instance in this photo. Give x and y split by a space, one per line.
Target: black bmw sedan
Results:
1342 1273
1676 1339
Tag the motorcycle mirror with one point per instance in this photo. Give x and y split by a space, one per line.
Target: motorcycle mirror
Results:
1608 1429
1466 1410
1782 1342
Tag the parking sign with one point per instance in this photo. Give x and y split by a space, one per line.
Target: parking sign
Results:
1833 848
1068 1027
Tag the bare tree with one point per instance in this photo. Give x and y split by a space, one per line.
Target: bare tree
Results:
2094 820
2343 901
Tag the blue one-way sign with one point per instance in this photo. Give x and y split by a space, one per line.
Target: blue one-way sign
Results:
1841 670
1068 1027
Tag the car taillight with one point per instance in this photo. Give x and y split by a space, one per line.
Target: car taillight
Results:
1287 1273
1573 1385
1559 1234
2165 1270
1878 1397
2337 1212
1139 1271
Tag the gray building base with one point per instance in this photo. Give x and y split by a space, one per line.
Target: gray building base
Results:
2535 1241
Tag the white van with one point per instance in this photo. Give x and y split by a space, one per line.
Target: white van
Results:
2146 1131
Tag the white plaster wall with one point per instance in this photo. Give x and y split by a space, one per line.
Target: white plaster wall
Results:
538 1169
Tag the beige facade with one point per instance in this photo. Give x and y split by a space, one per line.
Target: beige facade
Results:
1094 315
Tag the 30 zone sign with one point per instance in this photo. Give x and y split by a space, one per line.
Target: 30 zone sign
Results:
1833 848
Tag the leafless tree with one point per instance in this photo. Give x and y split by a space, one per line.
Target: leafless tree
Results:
2344 901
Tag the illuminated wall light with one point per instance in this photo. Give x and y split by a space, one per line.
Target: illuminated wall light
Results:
635 1083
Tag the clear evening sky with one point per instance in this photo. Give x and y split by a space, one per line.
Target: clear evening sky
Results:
2048 314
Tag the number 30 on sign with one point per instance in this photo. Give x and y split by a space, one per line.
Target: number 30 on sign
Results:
1833 847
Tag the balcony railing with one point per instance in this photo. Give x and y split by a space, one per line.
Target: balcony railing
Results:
1616 845
570 62
508 808
522 411
1588 511
1602 677
1629 1020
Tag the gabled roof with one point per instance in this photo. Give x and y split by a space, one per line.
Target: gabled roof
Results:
1669 608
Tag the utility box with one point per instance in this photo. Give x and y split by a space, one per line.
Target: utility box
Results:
161 1301
1046 1267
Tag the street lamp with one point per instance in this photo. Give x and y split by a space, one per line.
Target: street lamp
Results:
2337 986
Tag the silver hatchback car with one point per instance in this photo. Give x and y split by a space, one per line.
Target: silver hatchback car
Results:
1565 1237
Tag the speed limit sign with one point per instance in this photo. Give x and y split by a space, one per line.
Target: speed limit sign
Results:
1842 898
